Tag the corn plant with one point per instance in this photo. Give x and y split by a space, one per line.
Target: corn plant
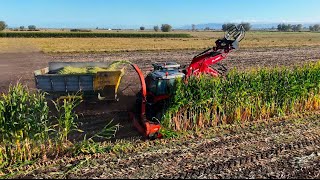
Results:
89 146
24 127
66 116
243 96
26 133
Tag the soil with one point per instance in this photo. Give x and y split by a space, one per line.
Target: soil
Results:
15 66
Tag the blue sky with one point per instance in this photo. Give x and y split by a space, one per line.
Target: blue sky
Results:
136 13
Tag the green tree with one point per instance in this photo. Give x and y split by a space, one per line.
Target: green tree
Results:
3 25
284 27
21 28
311 28
297 27
166 27
193 26
156 28
226 26
142 28
32 27
246 26
316 27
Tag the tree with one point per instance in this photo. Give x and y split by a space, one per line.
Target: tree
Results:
284 27
32 27
3 25
142 28
311 28
225 27
246 26
207 29
297 27
193 27
156 28
166 27
315 27
21 28
288 27
279 27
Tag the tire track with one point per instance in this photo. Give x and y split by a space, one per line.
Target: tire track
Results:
216 167
204 147
149 159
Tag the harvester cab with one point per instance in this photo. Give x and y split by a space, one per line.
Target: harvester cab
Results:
160 82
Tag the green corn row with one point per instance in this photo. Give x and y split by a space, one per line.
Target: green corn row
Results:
24 126
243 96
26 130
90 35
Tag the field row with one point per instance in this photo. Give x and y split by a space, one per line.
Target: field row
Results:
219 147
90 35
199 41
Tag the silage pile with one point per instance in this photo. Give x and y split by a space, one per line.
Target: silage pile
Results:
114 66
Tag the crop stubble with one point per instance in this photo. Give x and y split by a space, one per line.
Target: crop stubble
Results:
254 151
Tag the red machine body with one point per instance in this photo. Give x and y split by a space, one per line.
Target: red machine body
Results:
156 88
145 127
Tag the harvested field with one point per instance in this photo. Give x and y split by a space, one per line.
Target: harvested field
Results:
200 40
277 148
15 66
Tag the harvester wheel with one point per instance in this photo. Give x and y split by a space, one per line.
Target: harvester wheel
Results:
153 136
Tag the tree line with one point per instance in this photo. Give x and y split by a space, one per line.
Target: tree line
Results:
288 27
167 27
164 28
3 26
297 27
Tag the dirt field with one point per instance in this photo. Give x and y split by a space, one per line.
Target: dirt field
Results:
188 159
15 66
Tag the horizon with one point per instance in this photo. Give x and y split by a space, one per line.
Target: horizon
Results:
256 25
132 15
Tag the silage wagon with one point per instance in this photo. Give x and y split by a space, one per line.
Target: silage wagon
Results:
102 85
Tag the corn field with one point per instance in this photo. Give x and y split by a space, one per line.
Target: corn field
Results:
24 126
29 132
243 96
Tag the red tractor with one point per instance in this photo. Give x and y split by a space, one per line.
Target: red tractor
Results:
157 87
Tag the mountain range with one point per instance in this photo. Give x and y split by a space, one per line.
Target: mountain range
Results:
254 25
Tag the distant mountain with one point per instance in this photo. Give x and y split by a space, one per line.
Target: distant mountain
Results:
203 26
218 26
